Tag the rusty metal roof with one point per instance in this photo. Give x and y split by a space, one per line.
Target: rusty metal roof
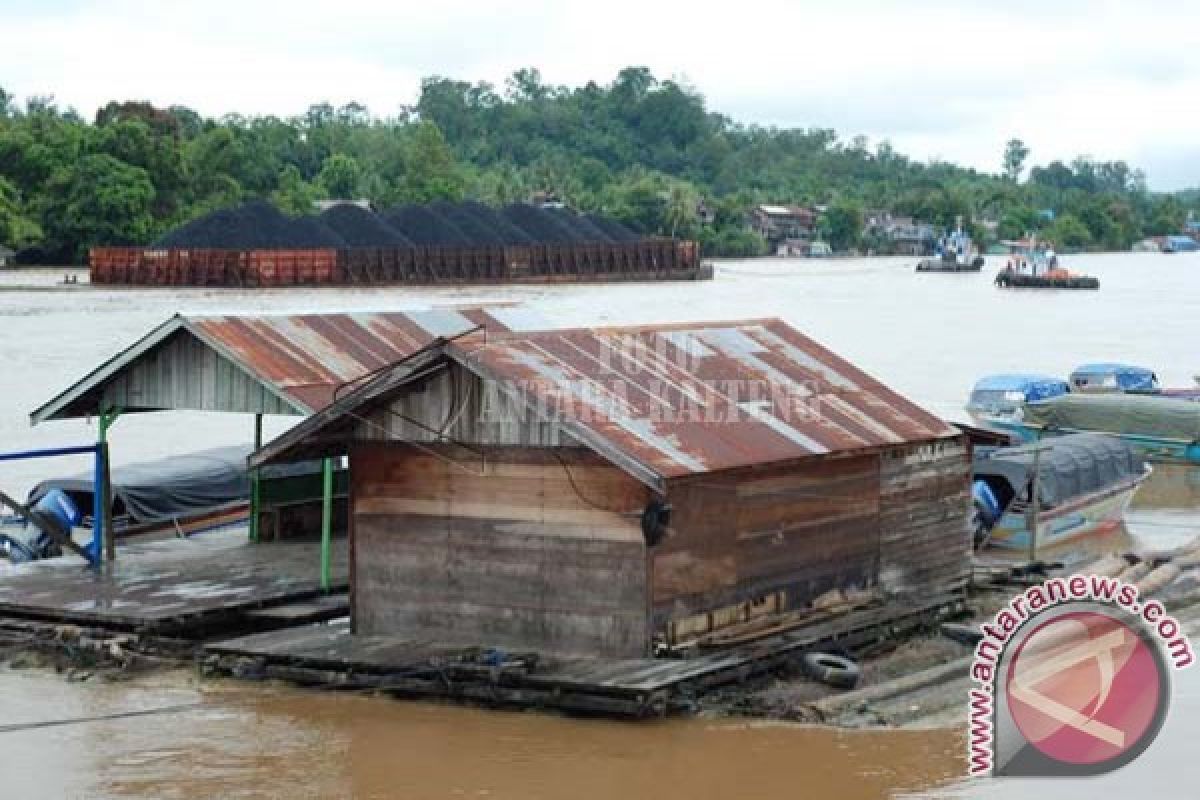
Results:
308 356
303 358
688 399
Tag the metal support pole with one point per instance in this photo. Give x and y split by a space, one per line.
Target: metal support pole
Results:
326 521
1034 500
108 538
95 547
255 497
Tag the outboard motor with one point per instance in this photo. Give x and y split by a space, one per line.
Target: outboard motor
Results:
985 511
30 542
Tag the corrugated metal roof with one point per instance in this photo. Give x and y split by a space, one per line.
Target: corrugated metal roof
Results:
689 399
301 358
308 356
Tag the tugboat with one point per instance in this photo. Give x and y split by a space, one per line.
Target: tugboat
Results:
1033 267
955 254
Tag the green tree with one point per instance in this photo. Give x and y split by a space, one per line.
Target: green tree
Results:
1069 233
842 225
431 172
101 201
1016 222
1167 218
295 195
1015 153
17 228
341 176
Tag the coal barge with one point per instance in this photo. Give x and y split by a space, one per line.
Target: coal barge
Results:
255 245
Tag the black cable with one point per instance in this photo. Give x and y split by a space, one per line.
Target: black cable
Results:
25 726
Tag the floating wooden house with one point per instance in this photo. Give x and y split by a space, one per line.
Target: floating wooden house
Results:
606 492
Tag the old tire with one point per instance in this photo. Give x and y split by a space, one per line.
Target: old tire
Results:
831 670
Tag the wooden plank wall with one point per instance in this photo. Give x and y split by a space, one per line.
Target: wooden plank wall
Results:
467 409
513 552
801 530
186 374
926 503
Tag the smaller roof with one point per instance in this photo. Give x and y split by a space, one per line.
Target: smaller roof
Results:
303 359
786 211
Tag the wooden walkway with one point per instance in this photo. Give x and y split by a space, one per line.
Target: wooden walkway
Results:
187 587
330 655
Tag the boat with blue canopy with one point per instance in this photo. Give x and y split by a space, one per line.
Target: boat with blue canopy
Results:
1004 396
1113 377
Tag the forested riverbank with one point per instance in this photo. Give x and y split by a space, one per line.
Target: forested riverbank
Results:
644 150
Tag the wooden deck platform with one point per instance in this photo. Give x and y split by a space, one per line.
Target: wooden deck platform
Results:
181 587
329 655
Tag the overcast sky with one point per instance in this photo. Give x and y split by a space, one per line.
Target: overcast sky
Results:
942 79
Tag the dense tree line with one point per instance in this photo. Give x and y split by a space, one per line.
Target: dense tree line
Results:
645 150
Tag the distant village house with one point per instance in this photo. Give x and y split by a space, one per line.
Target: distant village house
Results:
899 235
780 224
6 256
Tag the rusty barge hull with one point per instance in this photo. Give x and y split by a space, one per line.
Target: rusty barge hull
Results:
647 260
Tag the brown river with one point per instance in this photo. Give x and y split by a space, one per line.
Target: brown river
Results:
929 336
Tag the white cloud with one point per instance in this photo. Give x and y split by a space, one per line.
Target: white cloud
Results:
939 79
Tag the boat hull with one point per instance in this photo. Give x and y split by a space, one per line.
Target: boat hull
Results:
1096 513
1152 448
938 265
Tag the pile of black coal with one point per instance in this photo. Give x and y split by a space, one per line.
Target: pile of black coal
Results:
540 226
359 227
256 225
615 230
422 225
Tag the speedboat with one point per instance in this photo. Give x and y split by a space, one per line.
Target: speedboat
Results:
1127 378
1084 483
1163 429
1112 377
999 398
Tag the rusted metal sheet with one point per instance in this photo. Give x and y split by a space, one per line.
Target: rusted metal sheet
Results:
690 399
308 356
648 259
265 364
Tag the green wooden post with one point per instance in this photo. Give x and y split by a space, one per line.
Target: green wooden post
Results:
326 522
255 498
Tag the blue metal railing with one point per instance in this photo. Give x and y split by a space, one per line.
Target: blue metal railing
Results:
95 547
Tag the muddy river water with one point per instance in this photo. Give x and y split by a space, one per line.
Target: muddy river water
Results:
928 336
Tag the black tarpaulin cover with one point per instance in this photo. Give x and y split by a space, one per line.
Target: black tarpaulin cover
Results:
177 486
1069 466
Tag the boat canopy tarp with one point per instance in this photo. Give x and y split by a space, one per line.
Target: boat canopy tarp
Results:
1138 415
1035 387
178 486
1126 377
1069 466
